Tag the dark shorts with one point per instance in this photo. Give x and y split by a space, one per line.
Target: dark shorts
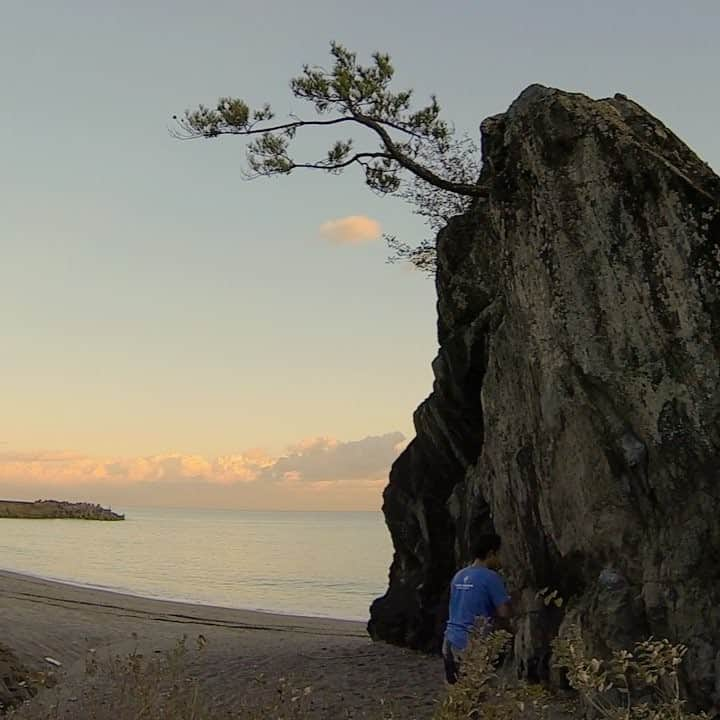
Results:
452 658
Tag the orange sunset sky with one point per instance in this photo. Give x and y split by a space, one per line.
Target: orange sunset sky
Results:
174 335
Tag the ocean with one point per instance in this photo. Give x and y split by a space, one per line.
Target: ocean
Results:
328 564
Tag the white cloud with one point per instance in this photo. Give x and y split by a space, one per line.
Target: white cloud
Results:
351 230
322 460
315 462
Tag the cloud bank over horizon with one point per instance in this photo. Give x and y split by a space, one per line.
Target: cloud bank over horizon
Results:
311 474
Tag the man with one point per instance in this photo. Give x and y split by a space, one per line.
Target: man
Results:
476 591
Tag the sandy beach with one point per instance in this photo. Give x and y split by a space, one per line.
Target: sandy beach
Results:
349 675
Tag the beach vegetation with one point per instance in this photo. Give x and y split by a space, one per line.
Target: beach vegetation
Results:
130 687
166 686
485 690
641 683
637 684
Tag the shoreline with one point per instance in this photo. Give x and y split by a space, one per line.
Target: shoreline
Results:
52 593
127 592
347 671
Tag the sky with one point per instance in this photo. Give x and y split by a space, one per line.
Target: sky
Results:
174 334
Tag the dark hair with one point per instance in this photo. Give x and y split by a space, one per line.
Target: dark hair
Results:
483 545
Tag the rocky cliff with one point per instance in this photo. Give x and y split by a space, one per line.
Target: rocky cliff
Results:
576 401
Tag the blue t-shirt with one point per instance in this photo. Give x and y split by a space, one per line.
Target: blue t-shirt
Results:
474 592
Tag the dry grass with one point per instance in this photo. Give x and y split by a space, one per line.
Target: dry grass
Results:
638 684
484 691
131 687
163 687
641 684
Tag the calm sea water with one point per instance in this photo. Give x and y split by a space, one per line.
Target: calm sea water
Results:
330 564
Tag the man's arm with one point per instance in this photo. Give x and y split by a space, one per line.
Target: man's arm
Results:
504 611
503 615
503 604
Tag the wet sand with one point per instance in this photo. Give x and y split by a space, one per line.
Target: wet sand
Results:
349 674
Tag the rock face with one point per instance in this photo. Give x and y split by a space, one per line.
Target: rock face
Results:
576 401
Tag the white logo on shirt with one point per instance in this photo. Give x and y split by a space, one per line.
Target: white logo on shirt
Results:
465 584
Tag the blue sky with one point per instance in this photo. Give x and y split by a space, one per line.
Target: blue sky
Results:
153 302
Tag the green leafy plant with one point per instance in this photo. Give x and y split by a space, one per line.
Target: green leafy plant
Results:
550 597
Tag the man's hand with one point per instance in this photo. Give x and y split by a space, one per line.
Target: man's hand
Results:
504 614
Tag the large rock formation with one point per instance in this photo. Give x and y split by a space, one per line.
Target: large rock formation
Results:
576 401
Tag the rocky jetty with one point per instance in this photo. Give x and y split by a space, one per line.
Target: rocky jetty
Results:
54 509
576 402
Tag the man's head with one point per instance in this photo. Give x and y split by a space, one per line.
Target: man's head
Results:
486 548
